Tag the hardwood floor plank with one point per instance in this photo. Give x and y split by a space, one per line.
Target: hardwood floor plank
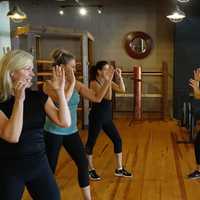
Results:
150 151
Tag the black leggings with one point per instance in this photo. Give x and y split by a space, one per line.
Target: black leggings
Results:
95 126
39 181
74 146
197 148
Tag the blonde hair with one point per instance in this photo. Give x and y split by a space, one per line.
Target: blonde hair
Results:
10 62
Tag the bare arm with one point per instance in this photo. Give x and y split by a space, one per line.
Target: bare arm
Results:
69 91
70 84
52 93
197 94
194 83
70 80
61 116
195 86
93 95
90 93
10 129
119 86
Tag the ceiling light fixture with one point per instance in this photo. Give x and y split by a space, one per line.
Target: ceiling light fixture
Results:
61 12
16 14
176 16
99 10
83 11
183 1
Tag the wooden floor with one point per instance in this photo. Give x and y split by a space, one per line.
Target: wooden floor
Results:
159 164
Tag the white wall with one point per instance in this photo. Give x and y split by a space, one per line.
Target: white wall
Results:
5 41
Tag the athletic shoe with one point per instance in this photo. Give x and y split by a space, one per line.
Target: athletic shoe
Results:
194 175
122 173
93 175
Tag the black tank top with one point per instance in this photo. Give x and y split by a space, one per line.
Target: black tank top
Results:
31 140
101 111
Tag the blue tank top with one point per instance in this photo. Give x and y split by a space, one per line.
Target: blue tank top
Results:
73 105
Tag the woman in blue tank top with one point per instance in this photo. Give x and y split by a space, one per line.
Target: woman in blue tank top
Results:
69 137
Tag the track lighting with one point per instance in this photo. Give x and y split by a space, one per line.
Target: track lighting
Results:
61 12
83 11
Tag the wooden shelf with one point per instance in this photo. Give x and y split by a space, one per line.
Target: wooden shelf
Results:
130 73
80 109
50 62
44 74
152 74
143 95
44 61
45 70
40 82
35 36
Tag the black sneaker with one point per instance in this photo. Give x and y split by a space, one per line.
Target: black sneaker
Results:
194 175
123 173
93 175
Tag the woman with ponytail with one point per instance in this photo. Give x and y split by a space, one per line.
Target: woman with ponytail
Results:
69 137
100 117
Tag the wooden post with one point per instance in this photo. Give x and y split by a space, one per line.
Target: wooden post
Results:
85 77
137 77
165 106
15 42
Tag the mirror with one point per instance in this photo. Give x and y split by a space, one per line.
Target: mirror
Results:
138 44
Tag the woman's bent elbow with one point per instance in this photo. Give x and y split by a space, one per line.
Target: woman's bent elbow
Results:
14 140
10 139
97 100
65 124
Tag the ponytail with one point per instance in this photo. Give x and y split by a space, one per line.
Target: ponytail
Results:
92 73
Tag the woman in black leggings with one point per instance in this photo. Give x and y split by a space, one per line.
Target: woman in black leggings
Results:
69 137
23 161
100 117
194 83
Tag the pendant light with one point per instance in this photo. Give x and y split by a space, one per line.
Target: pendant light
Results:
183 1
177 15
16 14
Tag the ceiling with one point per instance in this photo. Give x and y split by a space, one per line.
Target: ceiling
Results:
191 9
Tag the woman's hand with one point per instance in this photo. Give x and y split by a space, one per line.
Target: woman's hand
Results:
19 89
197 74
58 79
118 72
194 84
69 75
